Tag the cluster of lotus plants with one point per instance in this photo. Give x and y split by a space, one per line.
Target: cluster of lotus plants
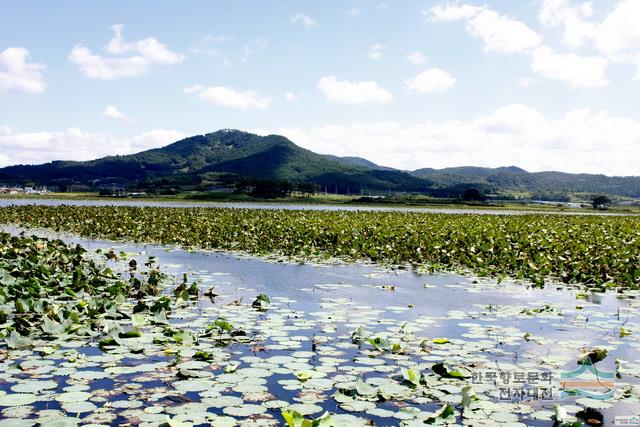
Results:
597 251
52 289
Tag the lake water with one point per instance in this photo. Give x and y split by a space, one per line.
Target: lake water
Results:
287 206
509 329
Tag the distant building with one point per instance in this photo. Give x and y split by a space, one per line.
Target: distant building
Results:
23 190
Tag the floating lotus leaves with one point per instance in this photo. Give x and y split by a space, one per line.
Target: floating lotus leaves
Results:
444 415
191 385
443 370
18 399
73 396
18 342
224 401
17 422
295 419
34 386
411 376
365 389
79 407
245 410
298 356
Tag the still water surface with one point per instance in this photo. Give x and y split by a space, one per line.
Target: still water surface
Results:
519 328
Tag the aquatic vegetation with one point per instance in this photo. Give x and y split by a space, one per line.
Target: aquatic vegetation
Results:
296 419
593 357
261 302
51 288
158 358
593 250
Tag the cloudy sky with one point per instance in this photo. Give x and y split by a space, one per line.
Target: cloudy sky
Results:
541 84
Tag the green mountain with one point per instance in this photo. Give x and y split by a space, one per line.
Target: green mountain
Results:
358 161
516 179
225 157
219 157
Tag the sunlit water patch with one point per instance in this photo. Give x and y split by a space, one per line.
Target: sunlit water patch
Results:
368 345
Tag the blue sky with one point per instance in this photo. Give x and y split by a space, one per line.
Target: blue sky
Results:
542 84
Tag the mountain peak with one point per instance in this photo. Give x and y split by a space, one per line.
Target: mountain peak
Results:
514 169
229 133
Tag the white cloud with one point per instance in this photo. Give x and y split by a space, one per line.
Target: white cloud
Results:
505 35
578 71
150 48
617 36
304 20
230 98
145 53
75 144
431 80
502 34
97 67
16 74
111 112
354 12
581 141
416 57
347 92
498 32
555 13
376 51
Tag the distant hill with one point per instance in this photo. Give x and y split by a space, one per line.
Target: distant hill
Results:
514 178
223 157
357 161
468 172
219 156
